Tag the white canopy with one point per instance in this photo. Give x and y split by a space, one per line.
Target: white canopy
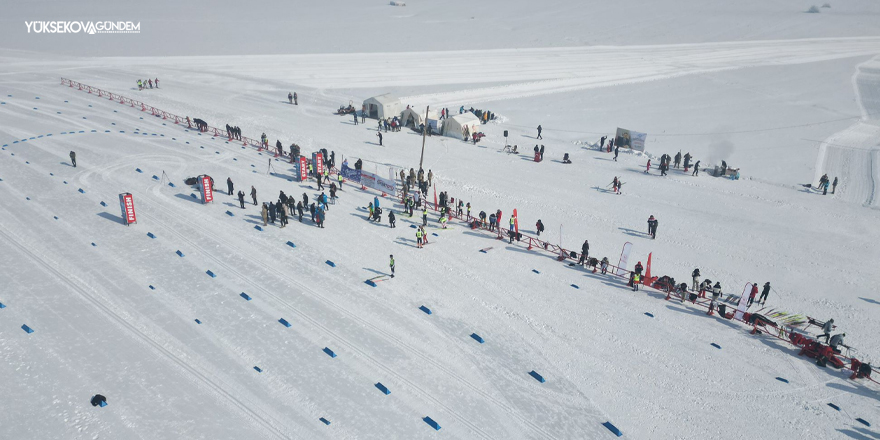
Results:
411 116
456 125
382 106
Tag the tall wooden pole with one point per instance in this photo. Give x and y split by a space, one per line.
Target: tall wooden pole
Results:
424 135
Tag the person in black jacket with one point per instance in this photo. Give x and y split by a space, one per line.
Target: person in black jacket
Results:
229 185
241 198
652 227
391 219
539 227
764 293
299 210
272 213
585 251
73 161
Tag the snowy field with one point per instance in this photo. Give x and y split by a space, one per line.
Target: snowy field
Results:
785 95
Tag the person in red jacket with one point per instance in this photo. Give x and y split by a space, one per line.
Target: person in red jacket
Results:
753 294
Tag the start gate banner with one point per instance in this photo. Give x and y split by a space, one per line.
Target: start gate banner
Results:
351 174
302 169
630 139
318 160
206 188
371 180
126 202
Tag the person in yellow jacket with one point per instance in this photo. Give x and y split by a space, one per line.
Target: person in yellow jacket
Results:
419 237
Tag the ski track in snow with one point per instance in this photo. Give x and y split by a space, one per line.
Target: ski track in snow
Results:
853 155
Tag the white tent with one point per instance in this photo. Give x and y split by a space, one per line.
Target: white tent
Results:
412 117
455 126
382 106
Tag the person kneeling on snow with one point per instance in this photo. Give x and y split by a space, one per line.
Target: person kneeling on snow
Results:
836 341
565 159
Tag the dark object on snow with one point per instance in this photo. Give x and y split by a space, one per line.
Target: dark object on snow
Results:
191 181
99 400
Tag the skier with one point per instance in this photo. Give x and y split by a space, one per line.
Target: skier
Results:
379 133
696 276
157 82
604 265
241 198
753 294
652 227
150 82
648 168
677 159
585 251
443 220
539 132
392 219
73 160
140 85
829 325
391 264
616 152
833 185
419 235
539 227
265 213
229 184
764 293
254 194
290 97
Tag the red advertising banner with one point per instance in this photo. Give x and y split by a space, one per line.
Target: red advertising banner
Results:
126 202
207 189
319 164
303 169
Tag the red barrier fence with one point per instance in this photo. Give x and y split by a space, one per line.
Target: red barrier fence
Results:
562 254
153 110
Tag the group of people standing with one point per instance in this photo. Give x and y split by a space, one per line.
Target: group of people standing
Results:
143 84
